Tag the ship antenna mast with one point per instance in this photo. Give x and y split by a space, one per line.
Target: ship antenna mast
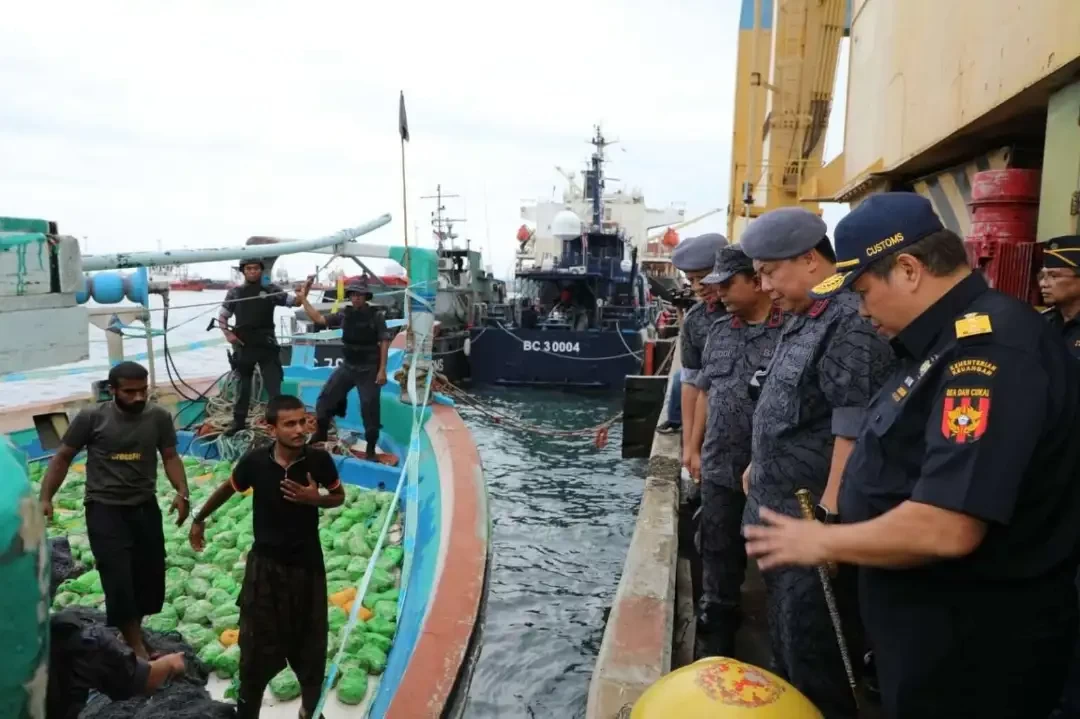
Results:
595 178
443 226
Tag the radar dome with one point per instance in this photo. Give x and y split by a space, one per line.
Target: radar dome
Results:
566 225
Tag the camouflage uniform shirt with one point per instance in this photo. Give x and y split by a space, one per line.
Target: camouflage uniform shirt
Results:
827 366
695 332
733 351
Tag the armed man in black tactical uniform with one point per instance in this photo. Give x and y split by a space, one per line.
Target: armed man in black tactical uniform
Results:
366 342
251 307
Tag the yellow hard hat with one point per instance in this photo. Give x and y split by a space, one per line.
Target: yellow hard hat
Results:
721 688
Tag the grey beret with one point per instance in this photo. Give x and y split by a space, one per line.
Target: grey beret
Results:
782 234
697 253
730 261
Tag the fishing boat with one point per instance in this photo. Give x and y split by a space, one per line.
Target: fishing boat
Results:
580 319
467 295
436 485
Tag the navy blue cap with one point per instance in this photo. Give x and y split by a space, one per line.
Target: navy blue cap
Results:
782 234
1062 252
697 253
881 225
730 261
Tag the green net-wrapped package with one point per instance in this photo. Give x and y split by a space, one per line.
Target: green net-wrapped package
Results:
372 657
381 625
386 609
178 560
229 621
211 652
198 612
217 597
337 562
336 618
197 587
88 583
181 603
353 686
161 623
378 640
197 635
285 686
228 662
356 568
204 571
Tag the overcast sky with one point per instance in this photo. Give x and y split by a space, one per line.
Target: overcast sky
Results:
202 123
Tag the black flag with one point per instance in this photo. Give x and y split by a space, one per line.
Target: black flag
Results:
403 122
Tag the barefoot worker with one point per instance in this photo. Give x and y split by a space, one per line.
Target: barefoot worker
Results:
123 523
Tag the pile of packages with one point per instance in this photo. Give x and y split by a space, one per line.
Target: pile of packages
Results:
201 587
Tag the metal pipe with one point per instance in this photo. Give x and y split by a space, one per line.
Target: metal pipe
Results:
122 260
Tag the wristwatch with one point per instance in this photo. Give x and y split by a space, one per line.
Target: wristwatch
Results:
824 515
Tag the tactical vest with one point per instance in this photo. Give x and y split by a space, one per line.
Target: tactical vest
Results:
253 319
360 335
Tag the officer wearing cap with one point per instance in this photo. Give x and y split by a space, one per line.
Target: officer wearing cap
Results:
738 343
695 257
813 396
1059 282
365 342
251 307
959 501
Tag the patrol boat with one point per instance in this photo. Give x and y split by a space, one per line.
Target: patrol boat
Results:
578 320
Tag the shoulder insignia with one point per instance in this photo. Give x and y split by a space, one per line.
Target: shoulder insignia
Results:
776 317
965 414
817 308
972 324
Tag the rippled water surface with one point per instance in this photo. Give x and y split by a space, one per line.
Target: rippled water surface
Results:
562 516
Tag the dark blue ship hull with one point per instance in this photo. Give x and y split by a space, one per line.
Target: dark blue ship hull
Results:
554 358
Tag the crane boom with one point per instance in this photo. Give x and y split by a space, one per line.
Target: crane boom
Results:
789 91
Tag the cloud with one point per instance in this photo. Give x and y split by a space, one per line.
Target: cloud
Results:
202 123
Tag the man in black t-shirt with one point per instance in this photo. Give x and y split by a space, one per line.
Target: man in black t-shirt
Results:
283 598
123 439
365 342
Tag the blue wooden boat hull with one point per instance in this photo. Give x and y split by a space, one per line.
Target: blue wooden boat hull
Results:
446 540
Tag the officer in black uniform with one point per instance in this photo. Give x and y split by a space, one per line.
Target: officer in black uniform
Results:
960 501
738 343
1059 282
828 364
251 307
366 342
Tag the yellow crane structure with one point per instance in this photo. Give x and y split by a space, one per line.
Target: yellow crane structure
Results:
786 70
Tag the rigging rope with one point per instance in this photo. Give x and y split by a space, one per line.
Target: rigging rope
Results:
599 432
409 469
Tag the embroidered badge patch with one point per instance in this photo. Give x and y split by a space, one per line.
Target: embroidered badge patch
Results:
982 367
965 414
